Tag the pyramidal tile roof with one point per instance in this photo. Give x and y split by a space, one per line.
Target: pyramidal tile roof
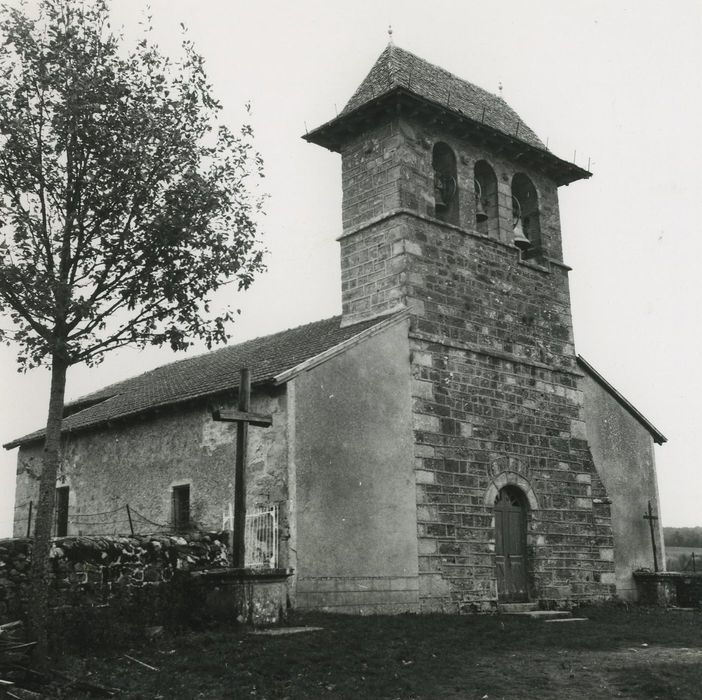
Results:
205 375
399 81
397 67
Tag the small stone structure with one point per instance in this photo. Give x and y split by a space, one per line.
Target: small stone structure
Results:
669 588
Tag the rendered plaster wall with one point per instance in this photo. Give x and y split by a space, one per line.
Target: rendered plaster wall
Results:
623 452
356 516
137 462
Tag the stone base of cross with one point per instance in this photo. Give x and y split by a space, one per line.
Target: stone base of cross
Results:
243 418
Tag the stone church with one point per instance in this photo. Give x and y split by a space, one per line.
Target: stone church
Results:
440 445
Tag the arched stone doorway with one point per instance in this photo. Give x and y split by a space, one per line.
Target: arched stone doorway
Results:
511 545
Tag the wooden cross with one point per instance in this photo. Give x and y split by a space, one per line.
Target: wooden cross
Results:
651 517
242 418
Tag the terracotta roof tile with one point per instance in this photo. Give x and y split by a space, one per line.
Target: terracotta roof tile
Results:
397 67
205 375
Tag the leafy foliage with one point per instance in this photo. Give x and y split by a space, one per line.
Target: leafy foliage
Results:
123 202
123 206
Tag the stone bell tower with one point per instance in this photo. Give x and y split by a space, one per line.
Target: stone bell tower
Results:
450 210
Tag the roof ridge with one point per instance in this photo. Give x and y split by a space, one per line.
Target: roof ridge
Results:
398 69
393 70
449 73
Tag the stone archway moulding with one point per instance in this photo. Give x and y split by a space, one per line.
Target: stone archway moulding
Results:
510 478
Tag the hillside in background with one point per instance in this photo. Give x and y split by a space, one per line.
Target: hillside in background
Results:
682 536
683 548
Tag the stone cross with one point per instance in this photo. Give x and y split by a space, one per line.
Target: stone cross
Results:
242 418
651 517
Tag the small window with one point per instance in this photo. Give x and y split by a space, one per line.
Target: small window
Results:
443 162
62 494
181 507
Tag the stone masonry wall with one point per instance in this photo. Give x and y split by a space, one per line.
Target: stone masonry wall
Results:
370 170
496 403
388 171
133 575
494 372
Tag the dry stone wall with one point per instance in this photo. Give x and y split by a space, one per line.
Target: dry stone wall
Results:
140 578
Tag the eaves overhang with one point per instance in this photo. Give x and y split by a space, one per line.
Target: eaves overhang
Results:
401 101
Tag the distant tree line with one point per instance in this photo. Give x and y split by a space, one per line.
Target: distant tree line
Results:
683 536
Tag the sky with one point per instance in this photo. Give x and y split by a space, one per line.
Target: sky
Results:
612 82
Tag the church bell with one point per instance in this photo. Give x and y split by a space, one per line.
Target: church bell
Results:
444 189
480 213
520 240
438 194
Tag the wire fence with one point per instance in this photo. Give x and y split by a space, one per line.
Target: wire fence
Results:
123 519
261 534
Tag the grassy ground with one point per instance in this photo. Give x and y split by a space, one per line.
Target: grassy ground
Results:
679 558
636 653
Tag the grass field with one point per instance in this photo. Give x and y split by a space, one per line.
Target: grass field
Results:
634 653
679 558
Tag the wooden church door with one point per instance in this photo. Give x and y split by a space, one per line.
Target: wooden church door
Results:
510 546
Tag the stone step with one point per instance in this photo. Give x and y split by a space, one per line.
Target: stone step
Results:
544 614
511 608
569 619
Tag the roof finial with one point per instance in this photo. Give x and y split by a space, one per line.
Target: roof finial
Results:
390 35
499 87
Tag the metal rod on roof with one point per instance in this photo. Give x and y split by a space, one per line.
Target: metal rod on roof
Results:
574 153
307 132
547 141
336 109
588 162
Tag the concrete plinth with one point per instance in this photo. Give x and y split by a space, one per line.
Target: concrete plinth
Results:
667 588
250 596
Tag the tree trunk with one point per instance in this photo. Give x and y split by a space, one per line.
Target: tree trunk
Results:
39 583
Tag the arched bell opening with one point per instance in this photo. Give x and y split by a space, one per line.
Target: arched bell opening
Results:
485 182
526 223
511 560
443 161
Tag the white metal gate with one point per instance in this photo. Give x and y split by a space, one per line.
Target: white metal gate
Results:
260 537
